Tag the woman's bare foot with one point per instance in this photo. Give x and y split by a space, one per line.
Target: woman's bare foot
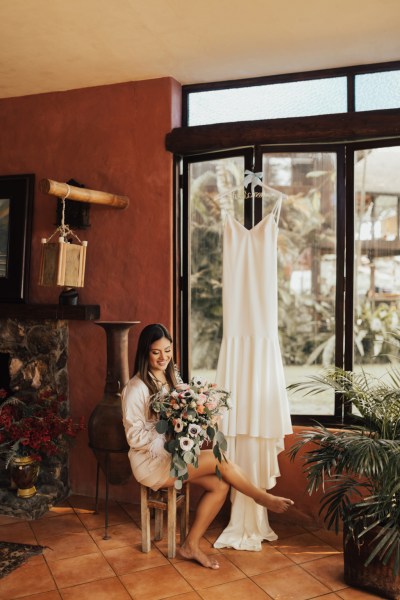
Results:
275 503
191 553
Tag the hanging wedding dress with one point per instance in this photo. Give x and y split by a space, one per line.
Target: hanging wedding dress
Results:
250 366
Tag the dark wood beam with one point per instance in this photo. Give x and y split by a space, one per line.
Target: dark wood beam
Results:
358 126
80 312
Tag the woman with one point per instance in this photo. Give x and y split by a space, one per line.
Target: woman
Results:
155 370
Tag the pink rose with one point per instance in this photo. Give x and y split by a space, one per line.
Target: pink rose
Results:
201 398
211 404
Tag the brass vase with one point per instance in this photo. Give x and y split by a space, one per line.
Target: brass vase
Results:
24 474
106 431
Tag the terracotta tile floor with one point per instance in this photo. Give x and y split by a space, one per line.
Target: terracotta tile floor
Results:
79 565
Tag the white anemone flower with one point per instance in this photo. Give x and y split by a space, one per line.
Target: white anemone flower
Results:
194 429
186 443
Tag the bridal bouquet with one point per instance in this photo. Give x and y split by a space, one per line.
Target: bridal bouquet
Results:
188 417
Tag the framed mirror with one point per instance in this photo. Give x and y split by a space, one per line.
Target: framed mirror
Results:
16 207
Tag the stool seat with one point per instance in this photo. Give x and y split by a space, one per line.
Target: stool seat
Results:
167 500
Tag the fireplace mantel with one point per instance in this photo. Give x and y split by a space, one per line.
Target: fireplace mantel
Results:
80 312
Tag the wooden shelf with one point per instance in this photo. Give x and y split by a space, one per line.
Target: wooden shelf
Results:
80 312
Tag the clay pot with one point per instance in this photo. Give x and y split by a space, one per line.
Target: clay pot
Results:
376 577
106 432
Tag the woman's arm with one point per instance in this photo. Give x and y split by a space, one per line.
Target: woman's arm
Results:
140 433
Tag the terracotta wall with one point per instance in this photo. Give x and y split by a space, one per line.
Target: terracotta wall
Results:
291 484
109 138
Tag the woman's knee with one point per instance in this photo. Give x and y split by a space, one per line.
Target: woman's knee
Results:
222 487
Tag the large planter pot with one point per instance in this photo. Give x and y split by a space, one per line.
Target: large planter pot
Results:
106 432
376 577
24 474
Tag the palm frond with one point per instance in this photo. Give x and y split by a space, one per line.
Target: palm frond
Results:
338 499
376 399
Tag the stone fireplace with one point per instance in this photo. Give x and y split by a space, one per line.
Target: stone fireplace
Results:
33 355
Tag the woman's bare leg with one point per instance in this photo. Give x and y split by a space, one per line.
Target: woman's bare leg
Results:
209 506
235 476
214 497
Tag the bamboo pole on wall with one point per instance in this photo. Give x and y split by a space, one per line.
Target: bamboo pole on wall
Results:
64 190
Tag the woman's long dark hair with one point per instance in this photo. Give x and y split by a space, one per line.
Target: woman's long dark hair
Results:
149 335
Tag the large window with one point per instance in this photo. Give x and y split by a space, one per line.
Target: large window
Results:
339 227
312 244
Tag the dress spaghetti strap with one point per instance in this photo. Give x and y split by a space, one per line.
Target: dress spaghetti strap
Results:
276 211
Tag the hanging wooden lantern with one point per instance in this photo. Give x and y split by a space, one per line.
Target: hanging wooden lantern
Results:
62 263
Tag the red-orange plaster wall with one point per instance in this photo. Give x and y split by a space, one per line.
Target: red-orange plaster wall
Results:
109 138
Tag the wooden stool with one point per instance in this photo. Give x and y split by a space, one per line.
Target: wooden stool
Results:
169 500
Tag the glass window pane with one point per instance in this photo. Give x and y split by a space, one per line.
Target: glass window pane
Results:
375 91
306 266
210 193
293 99
4 235
377 258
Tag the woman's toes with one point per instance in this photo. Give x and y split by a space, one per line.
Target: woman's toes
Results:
214 564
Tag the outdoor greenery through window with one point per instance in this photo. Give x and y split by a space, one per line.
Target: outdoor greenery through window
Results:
209 182
306 265
377 257
306 251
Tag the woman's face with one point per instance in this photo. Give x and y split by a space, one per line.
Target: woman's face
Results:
160 354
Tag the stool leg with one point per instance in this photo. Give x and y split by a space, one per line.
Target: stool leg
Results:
187 508
145 519
171 522
158 524
184 517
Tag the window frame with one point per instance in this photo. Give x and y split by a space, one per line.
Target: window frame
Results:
344 309
344 132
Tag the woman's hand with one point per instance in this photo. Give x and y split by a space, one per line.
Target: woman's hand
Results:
156 447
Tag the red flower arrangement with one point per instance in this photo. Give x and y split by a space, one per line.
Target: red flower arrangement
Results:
36 426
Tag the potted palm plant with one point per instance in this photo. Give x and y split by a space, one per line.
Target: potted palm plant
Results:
358 469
